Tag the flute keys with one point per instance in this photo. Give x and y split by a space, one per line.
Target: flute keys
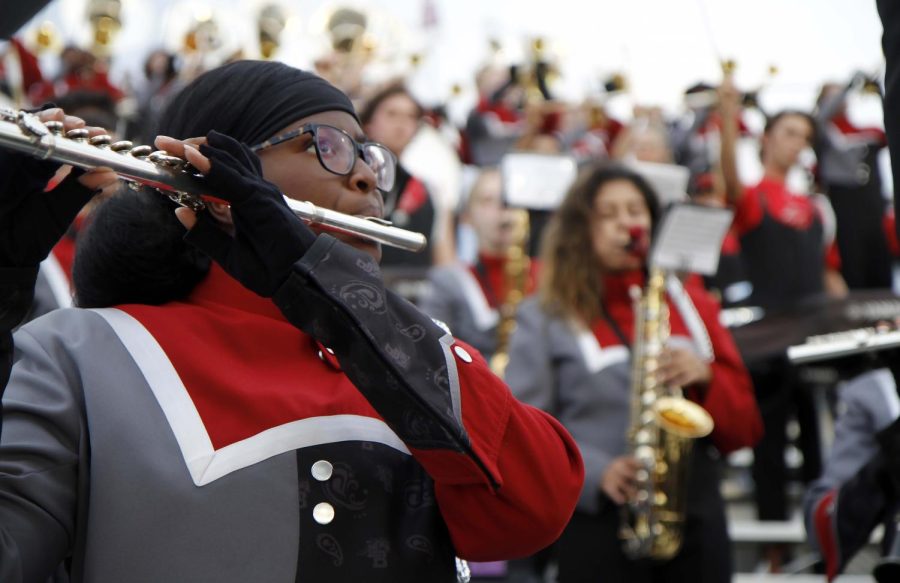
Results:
101 141
56 127
79 135
163 158
121 146
141 151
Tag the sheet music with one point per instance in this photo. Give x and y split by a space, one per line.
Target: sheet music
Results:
670 181
536 181
690 238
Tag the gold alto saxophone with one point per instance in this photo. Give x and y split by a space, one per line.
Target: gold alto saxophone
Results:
662 430
516 271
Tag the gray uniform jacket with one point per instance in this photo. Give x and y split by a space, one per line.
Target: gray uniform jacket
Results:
867 404
105 461
52 289
456 298
560 367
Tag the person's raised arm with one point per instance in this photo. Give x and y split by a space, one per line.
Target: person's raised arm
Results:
729 109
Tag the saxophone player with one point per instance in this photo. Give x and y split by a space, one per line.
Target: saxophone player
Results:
467 296
570 356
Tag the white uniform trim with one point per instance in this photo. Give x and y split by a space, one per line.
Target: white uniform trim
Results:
596 358
447 341
205 463
484 315
888 386
691 318
57 280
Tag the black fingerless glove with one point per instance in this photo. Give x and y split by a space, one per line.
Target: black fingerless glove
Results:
268 237
33 221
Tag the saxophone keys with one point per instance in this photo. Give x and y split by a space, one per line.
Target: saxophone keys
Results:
642 437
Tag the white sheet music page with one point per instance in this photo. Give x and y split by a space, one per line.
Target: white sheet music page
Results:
690 238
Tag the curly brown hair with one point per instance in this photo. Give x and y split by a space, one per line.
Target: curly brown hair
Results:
570 282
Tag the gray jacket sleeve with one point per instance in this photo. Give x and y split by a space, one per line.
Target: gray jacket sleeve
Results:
862 411
40 449
533 377
529 373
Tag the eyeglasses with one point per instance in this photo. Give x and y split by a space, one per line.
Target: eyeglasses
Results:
337 152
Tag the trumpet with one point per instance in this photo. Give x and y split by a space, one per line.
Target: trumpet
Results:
24 132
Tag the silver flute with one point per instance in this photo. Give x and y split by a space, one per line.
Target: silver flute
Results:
846 343
172 176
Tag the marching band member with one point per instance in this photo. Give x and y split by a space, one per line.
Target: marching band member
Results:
848 171
570 355
468 297
275 415
788 261
392 116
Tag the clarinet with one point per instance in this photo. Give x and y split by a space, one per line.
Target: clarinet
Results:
172 176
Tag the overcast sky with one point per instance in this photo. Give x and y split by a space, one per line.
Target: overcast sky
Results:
660 45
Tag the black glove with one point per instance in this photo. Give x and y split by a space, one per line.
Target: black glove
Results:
889 440
32 221
268 236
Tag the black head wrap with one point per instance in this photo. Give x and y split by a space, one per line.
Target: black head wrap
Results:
132 251
250 101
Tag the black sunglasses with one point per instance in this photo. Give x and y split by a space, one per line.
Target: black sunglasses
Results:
337 152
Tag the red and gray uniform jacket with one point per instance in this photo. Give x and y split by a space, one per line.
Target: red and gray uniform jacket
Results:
583 376
337 434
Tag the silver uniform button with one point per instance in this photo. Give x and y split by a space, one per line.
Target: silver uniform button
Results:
323 513
462 354
321 470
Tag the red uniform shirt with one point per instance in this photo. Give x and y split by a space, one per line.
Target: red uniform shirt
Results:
793 210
